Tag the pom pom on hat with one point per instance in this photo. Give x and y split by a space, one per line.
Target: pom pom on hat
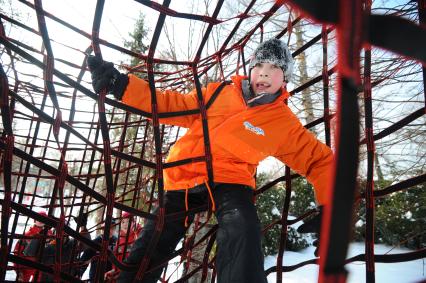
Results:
274 51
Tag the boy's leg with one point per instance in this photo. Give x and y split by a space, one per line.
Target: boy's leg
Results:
170 236
239 253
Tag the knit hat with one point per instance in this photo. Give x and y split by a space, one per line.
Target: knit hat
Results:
276 52
126 214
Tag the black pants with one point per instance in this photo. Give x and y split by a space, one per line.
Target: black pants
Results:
239 256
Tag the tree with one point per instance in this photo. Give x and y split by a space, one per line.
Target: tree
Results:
269 206
142 134
400 218
134 138
303 77
136 44
6 7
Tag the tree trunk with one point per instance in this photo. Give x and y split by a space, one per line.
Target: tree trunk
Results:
303 78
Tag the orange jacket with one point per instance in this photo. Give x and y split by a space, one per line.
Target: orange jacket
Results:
240 136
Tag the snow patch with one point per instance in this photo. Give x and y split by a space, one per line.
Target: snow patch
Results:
359 223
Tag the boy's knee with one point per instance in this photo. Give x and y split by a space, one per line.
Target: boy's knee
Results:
239 220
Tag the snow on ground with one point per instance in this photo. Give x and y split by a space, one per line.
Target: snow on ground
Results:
401 272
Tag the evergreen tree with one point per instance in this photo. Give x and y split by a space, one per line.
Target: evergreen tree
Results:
302 197
400 218
139 133
136 43
269 207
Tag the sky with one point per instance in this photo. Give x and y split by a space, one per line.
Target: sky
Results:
118 19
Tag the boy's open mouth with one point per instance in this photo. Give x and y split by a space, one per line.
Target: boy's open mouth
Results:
261 86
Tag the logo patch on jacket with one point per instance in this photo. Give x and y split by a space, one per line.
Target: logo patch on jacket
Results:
256 130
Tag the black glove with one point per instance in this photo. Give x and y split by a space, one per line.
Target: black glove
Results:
313 225
105 76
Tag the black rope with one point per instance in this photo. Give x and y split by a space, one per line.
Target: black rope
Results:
73 181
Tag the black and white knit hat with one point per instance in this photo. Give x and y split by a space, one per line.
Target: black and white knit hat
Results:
276 52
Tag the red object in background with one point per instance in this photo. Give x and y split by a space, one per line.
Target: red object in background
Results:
24 273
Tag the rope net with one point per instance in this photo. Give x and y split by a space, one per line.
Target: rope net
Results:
89 161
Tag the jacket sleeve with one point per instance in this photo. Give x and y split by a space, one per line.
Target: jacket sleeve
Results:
308 156
138 95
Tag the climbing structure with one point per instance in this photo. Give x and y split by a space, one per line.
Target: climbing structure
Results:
86 159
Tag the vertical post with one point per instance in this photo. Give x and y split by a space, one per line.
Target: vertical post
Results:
110 196
369 188
337 218
6 162
284 216
325 84
422 21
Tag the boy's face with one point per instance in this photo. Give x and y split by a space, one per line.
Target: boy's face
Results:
39 224
266 78
125 224
112 230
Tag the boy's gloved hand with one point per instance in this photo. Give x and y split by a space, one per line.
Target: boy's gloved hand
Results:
105 76
313 225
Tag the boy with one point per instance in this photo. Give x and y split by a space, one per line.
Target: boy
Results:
25 274
125 240
248 121
92 255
